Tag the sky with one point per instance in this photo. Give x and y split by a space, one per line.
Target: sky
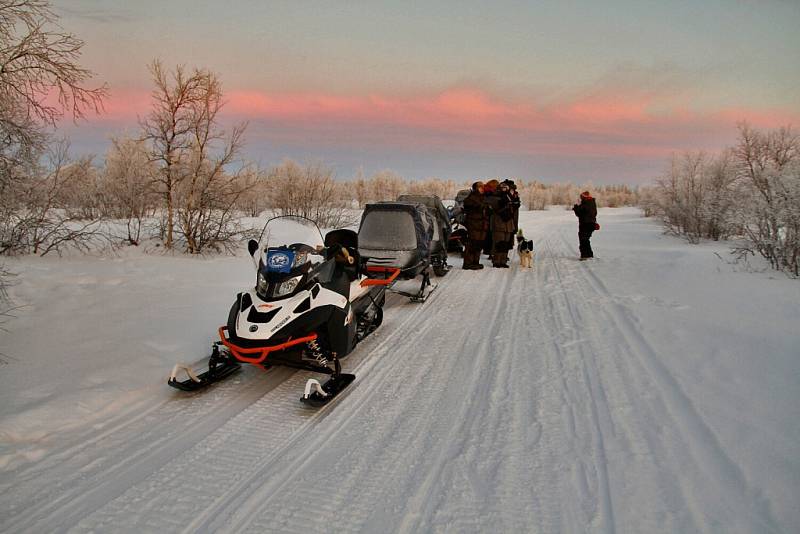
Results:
556 91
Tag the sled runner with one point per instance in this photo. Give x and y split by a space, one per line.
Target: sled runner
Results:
220 366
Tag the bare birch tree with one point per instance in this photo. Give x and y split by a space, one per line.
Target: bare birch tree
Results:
169 129
37 61
191 153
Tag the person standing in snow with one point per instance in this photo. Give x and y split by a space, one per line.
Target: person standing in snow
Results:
477 224
586 212
489 198
501 224
515 202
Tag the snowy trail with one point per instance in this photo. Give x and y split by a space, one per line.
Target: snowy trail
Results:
511 400
82 477
694 443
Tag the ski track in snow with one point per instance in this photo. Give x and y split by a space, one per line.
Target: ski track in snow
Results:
490 415
693 436
86 475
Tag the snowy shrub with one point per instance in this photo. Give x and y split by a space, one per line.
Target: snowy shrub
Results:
694 198
432 186
768 170
751 191
126 188
255 192
535 195
34 217
386 185
309 191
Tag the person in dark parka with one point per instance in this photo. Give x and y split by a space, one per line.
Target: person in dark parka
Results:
501 224
586 212
489 198
515 202
477 223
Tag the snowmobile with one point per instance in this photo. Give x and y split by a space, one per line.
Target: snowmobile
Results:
458 234
441 229
313 301
398 235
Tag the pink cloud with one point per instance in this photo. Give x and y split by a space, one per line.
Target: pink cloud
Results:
608 122
127 105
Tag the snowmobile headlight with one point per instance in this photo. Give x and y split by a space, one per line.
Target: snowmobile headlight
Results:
288 286
261 284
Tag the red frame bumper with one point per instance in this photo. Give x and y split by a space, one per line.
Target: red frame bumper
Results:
259 353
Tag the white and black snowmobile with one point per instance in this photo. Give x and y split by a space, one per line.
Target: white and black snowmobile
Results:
313 301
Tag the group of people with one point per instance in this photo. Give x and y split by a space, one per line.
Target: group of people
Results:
492 219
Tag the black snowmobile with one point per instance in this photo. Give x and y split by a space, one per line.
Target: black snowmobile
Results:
398 235
441 229
313 301
458 234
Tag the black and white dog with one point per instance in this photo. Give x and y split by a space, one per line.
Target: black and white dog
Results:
525 249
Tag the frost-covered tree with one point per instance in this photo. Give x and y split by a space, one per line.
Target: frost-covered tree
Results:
255 191
694 198
127 185
40 81
191 152
386 185
535 195
309 191
42 222
768 169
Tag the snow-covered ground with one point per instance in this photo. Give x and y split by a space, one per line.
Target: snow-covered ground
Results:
653 389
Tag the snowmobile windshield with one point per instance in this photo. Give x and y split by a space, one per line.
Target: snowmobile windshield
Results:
291 255
388 230
289 229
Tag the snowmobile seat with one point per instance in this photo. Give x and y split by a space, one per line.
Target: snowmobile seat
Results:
349 239
342 236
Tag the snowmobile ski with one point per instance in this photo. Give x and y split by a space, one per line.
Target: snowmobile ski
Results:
426 288
317 395
220 366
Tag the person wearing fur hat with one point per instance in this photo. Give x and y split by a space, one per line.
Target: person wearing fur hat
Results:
586 212
477 223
